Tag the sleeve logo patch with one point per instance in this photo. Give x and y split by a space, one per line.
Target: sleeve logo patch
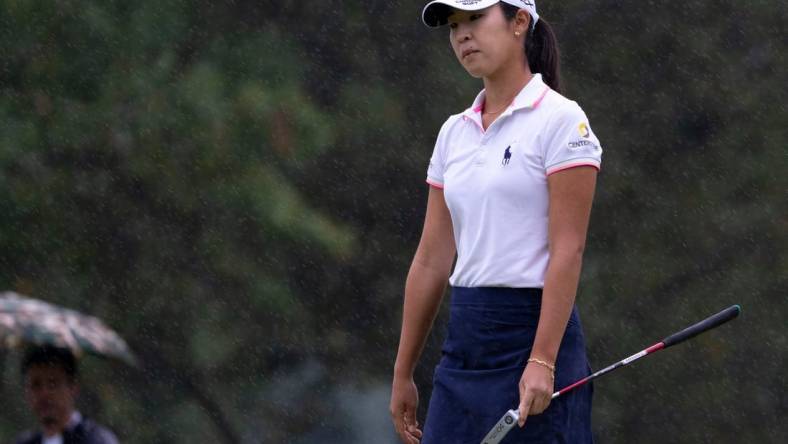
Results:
580 144
585 142
583 130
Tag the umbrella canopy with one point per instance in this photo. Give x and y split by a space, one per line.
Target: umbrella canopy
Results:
26 320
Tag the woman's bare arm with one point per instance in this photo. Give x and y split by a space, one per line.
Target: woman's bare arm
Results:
424 290
426 282
571 195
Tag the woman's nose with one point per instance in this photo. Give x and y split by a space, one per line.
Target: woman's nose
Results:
462 35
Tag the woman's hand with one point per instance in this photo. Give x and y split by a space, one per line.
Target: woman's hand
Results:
404 401
536 390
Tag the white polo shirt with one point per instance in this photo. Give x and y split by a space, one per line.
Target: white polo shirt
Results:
495 183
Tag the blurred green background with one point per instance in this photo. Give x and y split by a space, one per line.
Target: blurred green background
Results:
238 188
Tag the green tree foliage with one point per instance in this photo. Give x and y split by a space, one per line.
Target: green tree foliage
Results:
238 187
149 159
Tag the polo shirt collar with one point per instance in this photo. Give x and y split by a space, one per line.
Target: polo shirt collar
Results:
528 97
73 422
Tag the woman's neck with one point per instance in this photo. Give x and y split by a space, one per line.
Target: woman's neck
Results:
501 88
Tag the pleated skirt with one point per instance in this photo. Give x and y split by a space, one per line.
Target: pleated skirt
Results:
490 335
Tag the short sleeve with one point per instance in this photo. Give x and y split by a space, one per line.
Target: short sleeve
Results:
569 141
438 160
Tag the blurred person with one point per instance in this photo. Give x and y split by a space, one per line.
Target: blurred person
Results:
511 184
51 389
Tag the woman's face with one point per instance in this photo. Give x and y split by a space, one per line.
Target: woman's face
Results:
484 41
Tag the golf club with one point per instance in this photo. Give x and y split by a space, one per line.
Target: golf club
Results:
509 419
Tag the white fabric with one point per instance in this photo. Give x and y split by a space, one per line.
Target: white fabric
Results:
73 421
499 206
76 418
56 439
475 5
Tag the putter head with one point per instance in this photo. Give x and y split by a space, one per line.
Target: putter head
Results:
502 427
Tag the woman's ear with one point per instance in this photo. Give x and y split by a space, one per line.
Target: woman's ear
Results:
522 21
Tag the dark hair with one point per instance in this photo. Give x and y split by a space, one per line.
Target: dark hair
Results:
541 49
50 355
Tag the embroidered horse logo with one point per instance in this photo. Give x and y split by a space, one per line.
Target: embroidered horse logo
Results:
507 155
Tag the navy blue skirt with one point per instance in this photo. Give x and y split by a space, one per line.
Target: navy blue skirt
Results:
490 335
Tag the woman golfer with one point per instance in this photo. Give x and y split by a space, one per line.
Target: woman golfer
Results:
511 184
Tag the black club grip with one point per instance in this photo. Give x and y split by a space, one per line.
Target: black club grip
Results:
706 324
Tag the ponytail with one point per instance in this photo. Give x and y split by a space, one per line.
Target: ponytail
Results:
541 49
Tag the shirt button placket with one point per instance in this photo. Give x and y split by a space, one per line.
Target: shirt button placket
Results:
480 152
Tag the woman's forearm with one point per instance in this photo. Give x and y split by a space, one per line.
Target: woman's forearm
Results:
424 290
558 298
571 196
426 282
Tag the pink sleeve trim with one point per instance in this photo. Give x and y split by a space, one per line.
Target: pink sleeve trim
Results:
435 184
572 165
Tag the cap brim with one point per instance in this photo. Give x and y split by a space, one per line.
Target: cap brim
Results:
437 12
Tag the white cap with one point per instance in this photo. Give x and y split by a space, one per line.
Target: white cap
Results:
437 12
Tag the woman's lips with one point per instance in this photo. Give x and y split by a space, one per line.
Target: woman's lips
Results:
468 52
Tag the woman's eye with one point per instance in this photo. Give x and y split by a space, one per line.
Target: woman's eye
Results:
453 25
476 17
